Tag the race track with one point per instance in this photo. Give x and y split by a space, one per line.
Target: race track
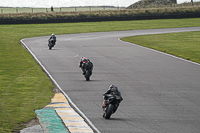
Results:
161 92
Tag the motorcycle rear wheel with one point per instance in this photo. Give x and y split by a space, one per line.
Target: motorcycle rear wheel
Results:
87 75
109 111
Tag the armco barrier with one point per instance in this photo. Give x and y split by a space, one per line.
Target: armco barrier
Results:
97 19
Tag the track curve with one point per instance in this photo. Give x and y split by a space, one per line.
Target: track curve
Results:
161 93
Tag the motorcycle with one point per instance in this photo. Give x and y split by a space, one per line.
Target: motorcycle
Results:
111 105
51 43
88 72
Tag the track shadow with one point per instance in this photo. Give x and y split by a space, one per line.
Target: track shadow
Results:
90 80
114 119
54 49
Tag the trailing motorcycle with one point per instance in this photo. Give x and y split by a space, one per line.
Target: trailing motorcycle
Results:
111 105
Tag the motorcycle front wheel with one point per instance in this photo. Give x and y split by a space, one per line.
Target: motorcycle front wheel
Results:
109 111
50 46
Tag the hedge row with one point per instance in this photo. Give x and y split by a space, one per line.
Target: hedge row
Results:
96 19
65 17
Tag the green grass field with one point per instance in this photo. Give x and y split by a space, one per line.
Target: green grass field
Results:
25 87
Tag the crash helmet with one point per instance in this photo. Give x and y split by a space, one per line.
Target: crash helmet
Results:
53 35
115 91
84 60
111 86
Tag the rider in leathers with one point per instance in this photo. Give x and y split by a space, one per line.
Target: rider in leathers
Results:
113 90
82 64
52 37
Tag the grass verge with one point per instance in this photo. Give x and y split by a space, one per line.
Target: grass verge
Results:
184 44
24 86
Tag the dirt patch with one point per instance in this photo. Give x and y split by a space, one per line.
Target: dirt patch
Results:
56 90
33 122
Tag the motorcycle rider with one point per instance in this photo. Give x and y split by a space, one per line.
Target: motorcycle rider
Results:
53 39
113 90
83 63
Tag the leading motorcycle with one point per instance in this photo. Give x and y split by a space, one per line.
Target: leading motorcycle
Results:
111 105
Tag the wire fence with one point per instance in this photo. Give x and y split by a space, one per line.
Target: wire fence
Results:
60 9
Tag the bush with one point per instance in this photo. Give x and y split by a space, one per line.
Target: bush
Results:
99 14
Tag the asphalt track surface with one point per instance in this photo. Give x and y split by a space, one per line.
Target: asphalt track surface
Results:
161 92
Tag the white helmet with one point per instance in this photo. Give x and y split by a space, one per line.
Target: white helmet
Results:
111 86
